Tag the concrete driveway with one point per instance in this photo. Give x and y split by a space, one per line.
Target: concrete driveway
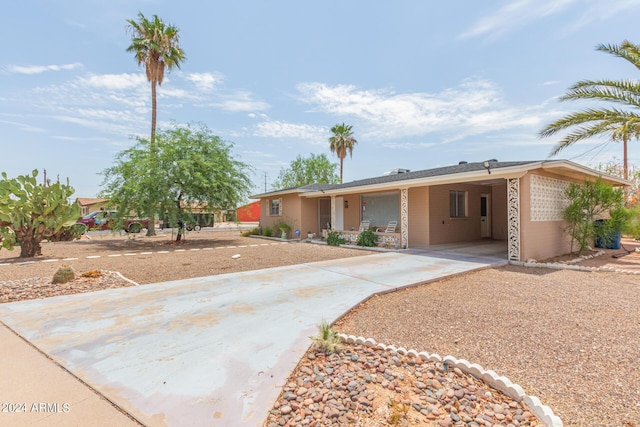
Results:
213 350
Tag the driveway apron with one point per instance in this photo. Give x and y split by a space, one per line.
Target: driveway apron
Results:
213 350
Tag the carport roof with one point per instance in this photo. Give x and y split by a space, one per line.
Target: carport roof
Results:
464 172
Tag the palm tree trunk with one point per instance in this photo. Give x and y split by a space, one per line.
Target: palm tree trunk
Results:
151 231
625 166
341 160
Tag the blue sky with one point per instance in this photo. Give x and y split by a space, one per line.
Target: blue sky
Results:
424 83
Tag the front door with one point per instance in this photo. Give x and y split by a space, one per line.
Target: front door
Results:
485 216
339 225
324 213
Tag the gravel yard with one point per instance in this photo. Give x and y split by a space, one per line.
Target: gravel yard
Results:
568 337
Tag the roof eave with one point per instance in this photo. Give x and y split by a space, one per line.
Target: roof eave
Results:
479 175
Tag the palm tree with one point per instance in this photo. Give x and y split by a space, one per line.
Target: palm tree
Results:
154 44
342 142
621 124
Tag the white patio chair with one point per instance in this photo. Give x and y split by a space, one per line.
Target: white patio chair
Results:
364 225
391 227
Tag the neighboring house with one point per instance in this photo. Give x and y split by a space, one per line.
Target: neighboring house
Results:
249 212
89 204
520 203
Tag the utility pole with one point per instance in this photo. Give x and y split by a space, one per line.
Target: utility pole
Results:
265 182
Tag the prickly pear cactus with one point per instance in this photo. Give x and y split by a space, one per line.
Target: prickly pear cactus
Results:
64 274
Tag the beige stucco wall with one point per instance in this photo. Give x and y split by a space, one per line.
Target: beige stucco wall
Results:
309 217
351 214
442 228
290 212
540 239
418 216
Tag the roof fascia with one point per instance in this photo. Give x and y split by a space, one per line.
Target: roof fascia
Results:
565 164
481 175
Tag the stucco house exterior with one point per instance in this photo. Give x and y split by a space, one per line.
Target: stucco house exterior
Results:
520 203
89 204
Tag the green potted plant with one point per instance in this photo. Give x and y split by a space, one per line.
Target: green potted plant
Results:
284 229
310 235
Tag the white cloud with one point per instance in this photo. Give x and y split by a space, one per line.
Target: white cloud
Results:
38 69
474 107
514 14
241 101
600 11
303 132
517 14
114 82
23 126
204 81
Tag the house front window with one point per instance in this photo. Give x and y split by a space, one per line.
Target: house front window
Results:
274 207
458 204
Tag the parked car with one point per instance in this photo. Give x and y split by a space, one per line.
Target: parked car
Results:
105 220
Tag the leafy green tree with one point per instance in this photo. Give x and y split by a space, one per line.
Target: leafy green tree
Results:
591 201
31 212
307 170
198 171
614 168
342 142
156 45
620 124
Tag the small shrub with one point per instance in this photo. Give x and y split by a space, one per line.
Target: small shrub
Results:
92 274
367 238
398 412
267 232
327 339
67 234
64 274
334 239
252 232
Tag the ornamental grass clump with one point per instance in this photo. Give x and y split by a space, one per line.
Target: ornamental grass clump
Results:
327 339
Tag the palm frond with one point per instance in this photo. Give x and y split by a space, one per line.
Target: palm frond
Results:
618 91
626 50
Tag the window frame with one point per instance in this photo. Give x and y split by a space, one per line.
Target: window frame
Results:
455 210
271 206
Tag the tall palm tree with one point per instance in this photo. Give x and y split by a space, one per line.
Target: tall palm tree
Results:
342 142
621 124
156 45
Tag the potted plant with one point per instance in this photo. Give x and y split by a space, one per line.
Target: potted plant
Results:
284 229
310 235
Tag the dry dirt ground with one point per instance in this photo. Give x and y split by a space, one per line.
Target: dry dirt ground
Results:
568 337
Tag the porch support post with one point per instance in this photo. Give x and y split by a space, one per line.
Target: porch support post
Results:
333 212
404 218
513 211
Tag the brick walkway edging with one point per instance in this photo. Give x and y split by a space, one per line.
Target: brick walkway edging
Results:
503 384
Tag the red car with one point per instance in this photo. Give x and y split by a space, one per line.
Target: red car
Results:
104 220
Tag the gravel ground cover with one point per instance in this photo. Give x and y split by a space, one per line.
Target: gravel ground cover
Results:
157 259
568 337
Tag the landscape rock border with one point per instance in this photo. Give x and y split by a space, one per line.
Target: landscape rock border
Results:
572 265
491 378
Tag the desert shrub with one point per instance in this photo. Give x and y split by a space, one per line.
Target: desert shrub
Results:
327 339
67 234
632 227
589 202
334 239
367 238
267 232
253 232
92 274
